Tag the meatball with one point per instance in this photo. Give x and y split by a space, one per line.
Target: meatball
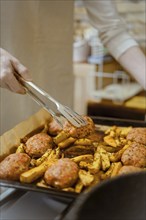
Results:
54 128
80 132
135 155
38 144
137 135
62 174
128 169
13 165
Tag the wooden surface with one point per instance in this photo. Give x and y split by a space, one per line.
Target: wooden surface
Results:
107 108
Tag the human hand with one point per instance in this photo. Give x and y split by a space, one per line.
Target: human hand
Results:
8 66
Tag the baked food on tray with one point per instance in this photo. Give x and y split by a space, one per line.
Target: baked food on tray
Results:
74 159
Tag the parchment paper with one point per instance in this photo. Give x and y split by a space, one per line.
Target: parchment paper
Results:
11 138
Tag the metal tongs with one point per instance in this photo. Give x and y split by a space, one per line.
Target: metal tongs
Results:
73 117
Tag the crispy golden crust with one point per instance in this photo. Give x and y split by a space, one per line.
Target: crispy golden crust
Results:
38 144
13 165
135 155
54 128
138 135
96 136
80 132
62 174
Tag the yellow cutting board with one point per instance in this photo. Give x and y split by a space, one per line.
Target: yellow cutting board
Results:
136 102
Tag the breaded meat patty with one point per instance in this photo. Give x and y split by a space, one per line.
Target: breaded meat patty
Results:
135 155
38 144
80 132
62 174
137 135
13 165
128 169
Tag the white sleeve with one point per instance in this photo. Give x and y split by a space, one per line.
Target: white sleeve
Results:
103 15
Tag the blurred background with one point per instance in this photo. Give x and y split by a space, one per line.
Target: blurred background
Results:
102 87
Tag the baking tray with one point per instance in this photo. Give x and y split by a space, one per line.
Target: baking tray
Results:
63 195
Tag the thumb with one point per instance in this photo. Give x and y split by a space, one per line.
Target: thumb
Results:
21 69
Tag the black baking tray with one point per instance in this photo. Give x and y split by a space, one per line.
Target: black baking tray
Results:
63 195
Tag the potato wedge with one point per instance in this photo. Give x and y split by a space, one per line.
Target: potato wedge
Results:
20 148
96 165
69 189
117 166
43 157
85 177
107 174
105 162
85 157
83 141
85 165
111 149
115 157
96 180
42 184
110 141
125 131
61 137
36 172
66 143
79 186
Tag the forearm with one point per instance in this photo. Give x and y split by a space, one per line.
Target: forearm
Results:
112 31
134 61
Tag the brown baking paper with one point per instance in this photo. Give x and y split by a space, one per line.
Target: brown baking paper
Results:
10 139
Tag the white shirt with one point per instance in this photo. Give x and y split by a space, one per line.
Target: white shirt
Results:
112 29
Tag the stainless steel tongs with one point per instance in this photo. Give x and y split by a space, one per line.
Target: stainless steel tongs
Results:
73 117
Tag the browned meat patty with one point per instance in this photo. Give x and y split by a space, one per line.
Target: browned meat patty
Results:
80 132
77 150
54 128
135 155
137 135
13 165
62 174
128 169
38 144
97 136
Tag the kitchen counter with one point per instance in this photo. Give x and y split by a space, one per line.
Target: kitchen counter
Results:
126 110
